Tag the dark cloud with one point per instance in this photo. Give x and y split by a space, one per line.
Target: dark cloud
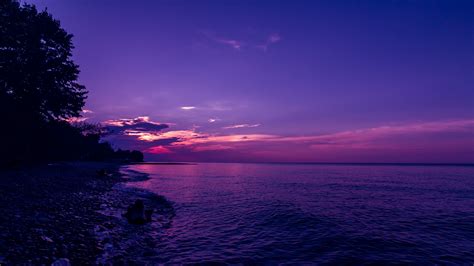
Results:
124 133
142 124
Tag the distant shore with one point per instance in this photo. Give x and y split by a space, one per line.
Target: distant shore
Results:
316 163
164 163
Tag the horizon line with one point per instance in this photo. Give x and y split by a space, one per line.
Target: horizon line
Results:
309 163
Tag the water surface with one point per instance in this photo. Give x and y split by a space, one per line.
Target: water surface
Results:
314 213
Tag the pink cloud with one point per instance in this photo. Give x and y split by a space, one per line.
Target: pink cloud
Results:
360 136
87 111
153 136
85 115
383 134
157 150
212 147
393 142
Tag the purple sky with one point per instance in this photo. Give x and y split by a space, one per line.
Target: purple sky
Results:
306 81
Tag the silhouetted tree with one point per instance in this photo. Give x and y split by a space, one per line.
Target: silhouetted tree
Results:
136 156
39 91
38 79
37 75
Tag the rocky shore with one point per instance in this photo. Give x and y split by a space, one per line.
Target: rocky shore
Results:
54 212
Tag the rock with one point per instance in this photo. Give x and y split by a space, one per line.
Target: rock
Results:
61 262
148 214
136 213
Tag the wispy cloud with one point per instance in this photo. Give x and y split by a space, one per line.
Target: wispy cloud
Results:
239 44
233 43
271 39
85 115
241 126
186 108
207 138
87 111
213 120
374 135
212 106
386 135
220 106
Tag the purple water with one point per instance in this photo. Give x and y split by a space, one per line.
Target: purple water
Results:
283 213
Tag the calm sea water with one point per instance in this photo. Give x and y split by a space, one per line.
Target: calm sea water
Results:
256 213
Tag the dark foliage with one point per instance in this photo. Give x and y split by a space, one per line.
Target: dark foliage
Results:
37 73
39 91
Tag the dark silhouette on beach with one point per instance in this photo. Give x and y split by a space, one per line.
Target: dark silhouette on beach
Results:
136 213
39 93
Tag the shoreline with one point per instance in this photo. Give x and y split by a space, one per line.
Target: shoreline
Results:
126 243
63 210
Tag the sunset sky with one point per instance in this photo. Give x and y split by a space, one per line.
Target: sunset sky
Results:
278 81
